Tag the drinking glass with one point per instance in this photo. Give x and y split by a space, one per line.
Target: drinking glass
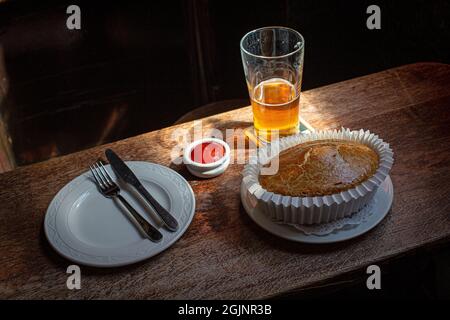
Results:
273 65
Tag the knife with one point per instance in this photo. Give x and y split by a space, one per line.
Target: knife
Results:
125 173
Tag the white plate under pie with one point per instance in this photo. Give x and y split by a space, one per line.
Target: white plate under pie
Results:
90 229
382 203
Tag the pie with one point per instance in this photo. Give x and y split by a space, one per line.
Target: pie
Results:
321 167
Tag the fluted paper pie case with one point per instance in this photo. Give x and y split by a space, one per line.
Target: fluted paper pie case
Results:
317 209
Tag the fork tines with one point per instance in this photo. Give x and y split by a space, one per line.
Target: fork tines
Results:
101 175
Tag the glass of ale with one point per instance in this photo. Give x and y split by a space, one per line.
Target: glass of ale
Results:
273 65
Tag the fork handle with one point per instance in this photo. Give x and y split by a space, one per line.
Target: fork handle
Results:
152 233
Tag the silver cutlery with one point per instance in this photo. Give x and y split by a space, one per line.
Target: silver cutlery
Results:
110 189
125 173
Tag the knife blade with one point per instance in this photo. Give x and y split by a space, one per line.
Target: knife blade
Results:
125 173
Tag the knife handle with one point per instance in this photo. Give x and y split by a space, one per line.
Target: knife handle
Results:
166 217
152 233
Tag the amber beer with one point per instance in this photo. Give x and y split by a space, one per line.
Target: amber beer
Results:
275 106
272 58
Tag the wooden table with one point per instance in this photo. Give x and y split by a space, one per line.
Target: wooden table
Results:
224 254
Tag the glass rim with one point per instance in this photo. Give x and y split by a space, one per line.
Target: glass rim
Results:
273 57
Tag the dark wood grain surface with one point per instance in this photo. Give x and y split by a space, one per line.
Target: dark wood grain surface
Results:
224 254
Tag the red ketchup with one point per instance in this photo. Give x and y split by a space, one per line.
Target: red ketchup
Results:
207 152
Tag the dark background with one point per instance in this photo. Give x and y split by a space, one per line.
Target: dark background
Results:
139 66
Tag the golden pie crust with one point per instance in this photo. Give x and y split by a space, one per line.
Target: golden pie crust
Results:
321 167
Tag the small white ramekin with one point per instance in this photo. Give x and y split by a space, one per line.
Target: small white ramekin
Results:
207 170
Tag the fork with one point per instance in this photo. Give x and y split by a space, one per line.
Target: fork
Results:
111 190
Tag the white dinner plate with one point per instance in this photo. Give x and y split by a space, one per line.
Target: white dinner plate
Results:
90 229
382 203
